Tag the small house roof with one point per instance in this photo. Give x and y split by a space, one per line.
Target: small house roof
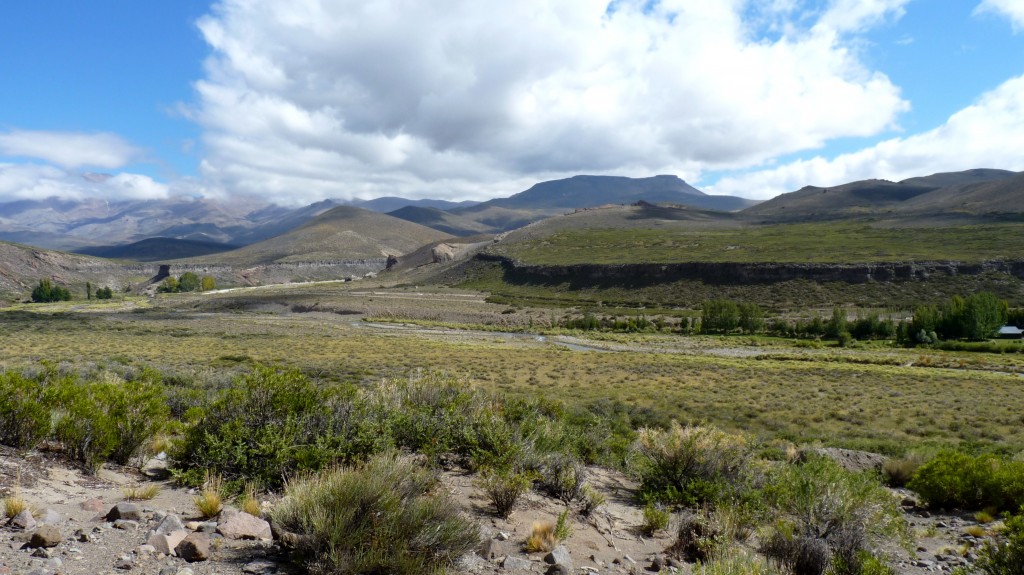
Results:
1010 330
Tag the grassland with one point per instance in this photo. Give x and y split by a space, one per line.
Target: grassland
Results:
877 398
837 242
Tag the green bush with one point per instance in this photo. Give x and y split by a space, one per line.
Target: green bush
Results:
697 539
46 292
958 480
828 512
24 416
273 423
562 476
691 465
656 518
504 488
108 418
384 517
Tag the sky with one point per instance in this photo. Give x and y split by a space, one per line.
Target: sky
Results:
300 100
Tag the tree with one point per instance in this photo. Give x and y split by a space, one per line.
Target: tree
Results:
188 282
88 290
983 313
104 293
719 316
47 292
209 283
837 324
751 317
169 285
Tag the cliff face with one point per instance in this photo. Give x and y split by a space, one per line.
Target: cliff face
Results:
748 273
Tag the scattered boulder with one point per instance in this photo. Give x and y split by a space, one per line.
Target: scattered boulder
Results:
23 521
127 511
45 536
94 505
241 525
492 549
166 542
560 562
195 547
259 568
849 459
126 525
124 563
169 524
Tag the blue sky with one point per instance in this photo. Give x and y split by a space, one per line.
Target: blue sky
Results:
296 101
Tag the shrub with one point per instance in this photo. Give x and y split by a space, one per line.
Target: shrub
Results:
831 513
563 476
696 539
139 493
563 530
504 489
898 472
591 500
382 517
46 292
656 518
24 417
958 480
271 424
1005 556
691 465
736 562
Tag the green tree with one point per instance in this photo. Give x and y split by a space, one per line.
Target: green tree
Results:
208 283
982 315
189 281
837 324
47 292
751 317
88 290
169 285
719 316
104 293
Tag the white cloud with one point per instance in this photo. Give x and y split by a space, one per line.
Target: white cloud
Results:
69 149
321 98
36 182
1012 9
987 134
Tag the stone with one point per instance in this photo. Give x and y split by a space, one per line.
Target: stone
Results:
124 563
127 511
558 569
559 555
492 549
45 536
185 571
657 563
193 525
146 549
502 536
24 521
512 563
195 547
41 552
166 542
259 568
241 525
94 505
49 517
126 525
170 524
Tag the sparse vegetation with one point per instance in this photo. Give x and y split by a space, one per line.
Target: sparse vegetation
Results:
504 489
142 492
47 292
959 480
382 517
656 518
542 537
210 500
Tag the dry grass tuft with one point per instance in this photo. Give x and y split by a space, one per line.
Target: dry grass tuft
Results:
141 493
542 537
14 505
250 504
210 501
975 531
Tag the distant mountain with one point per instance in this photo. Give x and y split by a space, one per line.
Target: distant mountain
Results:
974 192
341 233
446 222
157 249
389 204
589 191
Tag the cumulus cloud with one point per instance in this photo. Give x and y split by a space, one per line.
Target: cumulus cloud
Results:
343 98
36 182
986 134
1012 9
69 149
